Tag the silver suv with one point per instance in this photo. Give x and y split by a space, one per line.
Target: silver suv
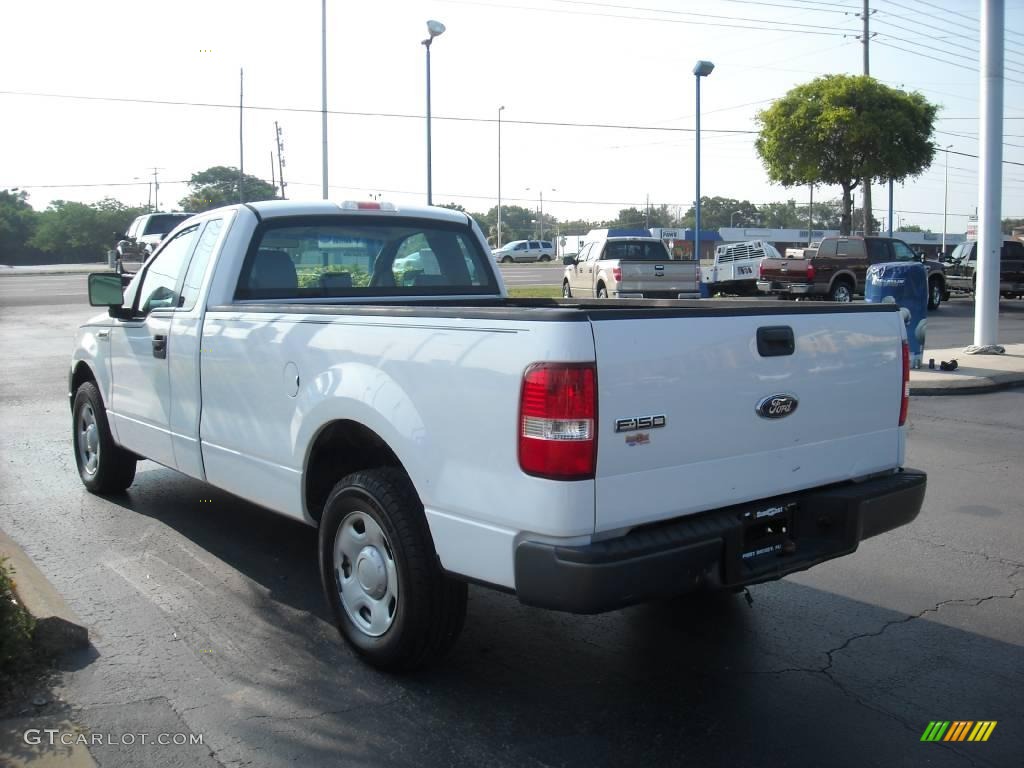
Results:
525 250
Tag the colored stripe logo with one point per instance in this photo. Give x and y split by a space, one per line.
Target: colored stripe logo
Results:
959 730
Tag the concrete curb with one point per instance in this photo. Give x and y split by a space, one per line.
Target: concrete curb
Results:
58 629
973 385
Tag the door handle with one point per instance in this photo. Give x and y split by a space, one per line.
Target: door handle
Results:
102 334
775 341
160 347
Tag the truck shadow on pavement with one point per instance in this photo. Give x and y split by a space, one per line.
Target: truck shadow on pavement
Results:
804 676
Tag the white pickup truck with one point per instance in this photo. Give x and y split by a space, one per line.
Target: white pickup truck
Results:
629 267
439 432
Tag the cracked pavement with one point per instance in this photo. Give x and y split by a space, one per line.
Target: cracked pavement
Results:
207 618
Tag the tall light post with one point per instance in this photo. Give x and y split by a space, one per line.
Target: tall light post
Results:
733 215
500 110
945 198
323 89
434 28
700 69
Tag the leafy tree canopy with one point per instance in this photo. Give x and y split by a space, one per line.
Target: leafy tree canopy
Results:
84 229
1011 224
839 129
218 185
17 223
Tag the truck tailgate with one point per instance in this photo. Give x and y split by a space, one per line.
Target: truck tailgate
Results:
784 270
658 276
693 382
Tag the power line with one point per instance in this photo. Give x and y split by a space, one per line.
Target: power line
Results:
398 115
942 61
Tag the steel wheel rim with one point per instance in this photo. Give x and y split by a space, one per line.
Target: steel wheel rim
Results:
88 439
936 294
365 574
565 291
843 294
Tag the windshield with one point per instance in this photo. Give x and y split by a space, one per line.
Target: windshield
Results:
363 256
161 225
960 251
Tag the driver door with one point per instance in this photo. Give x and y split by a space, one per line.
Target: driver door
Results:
579 282
140 402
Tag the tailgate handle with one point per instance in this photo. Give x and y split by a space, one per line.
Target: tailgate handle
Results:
775 341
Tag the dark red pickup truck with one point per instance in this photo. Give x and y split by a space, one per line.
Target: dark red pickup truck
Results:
962 264
838 268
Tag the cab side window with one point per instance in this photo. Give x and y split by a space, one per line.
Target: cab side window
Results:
160 285
901 251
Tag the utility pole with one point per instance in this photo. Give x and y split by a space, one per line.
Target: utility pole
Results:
156 190
866 39
273 180
647 212
810 218
241 149
280 157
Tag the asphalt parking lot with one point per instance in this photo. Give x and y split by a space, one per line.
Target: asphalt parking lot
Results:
206 616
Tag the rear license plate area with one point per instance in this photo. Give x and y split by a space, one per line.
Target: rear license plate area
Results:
767 533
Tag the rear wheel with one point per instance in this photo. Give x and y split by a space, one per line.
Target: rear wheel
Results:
935 294
566 291
602 292
545 258
103 466
841 292
390 599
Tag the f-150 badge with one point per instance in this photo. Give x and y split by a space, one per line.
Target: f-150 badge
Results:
639 422
776 406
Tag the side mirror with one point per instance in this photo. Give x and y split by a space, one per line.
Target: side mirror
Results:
568 260
105 289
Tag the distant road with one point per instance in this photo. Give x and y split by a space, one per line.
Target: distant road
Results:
42 290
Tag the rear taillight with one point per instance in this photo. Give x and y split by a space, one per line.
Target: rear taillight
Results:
617 274
557 421
905 396
810 272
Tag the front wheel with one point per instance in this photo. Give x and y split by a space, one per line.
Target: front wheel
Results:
103 466
390 599
935 294
566 290
506 260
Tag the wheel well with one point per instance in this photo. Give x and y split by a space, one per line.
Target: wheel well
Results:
842 277
937 279
79 376
341 448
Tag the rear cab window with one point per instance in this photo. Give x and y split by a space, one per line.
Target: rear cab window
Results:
362 256
636 251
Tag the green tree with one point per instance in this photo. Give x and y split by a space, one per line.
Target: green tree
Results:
80 231
717 212
218 185
840 129
17 224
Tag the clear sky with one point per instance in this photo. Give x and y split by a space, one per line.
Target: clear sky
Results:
621 62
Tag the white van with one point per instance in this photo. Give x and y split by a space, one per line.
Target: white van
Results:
734 268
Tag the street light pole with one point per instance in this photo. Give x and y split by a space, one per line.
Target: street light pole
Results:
323 88
500 110
434 28
945 199
700 69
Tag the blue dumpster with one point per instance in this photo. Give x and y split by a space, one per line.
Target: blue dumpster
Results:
904 283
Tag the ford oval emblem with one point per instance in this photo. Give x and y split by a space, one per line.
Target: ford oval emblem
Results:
776 406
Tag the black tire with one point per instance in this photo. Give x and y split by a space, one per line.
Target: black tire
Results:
602 292
103 465
566 290
506 260
545 258
935 294
841 291
429 607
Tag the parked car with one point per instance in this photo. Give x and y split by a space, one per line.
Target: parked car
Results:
629 267
734 268
963 262
525 250
423 260
838 267
653 449
145 233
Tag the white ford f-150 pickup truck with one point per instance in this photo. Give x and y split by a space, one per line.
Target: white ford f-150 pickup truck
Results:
438 432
